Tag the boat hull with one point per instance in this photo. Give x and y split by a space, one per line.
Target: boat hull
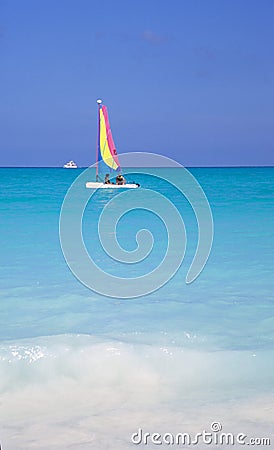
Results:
95 185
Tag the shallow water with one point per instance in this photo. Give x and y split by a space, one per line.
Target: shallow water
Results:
79 370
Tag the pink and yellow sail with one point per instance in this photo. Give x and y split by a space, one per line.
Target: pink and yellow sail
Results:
106 148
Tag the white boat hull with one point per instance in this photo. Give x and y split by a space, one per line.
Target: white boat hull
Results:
95 185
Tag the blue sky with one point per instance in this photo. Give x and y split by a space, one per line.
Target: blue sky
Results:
189 79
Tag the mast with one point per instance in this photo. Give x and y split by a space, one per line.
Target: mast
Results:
98 140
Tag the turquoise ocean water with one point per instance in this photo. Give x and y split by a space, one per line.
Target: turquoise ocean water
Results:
79 370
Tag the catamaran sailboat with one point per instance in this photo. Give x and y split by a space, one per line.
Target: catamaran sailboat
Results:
107 155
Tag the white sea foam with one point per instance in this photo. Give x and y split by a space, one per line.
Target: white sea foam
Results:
80 392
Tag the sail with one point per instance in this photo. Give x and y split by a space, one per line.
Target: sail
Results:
107 151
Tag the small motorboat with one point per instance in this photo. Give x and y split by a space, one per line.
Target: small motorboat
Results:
70 165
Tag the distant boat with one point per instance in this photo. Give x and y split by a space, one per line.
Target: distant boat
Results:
107 157
70 165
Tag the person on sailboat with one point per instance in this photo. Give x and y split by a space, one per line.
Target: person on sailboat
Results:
107 180
120 179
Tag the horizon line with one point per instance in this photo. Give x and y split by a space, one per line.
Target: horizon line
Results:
156 167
